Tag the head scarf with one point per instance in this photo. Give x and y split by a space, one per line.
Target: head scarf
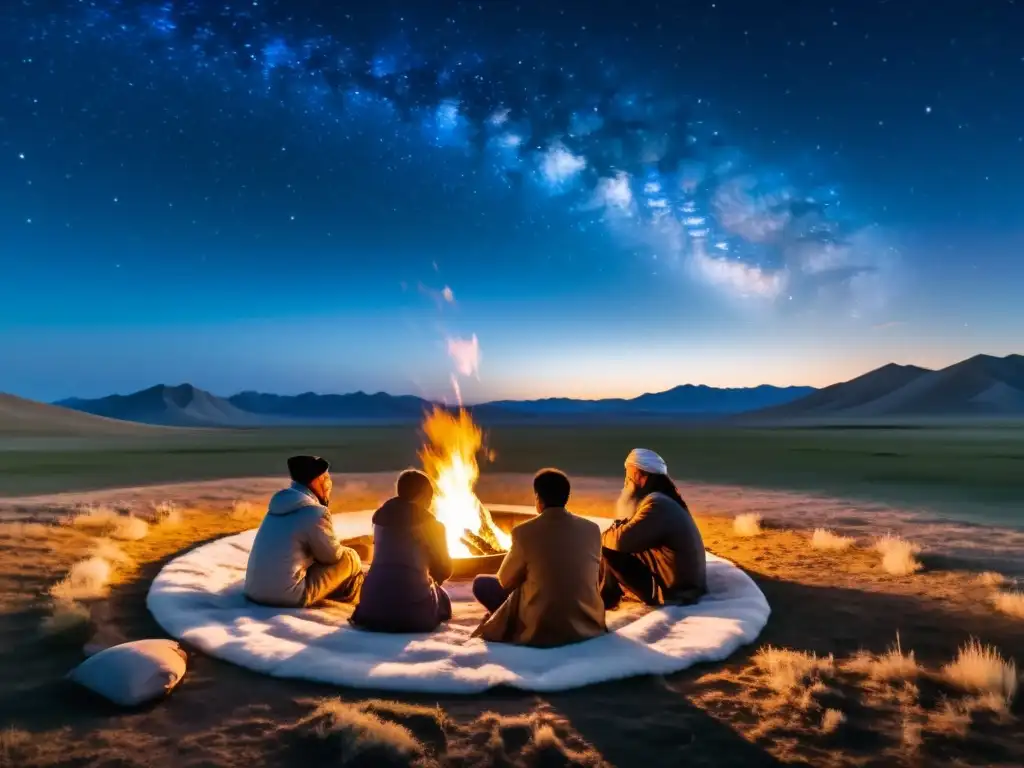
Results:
647 461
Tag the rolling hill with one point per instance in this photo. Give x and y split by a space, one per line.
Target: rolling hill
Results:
180 406
27 418
981 386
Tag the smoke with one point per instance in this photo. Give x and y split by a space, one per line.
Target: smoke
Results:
466 355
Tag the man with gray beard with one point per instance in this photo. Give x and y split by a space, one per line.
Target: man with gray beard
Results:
654 553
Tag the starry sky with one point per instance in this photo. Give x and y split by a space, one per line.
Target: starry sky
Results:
518 198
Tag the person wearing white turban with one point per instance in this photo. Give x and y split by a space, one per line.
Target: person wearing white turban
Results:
654 553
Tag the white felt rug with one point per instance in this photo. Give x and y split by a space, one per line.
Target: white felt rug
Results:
198 599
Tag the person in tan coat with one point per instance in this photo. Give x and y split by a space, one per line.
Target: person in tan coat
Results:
546 591
296 559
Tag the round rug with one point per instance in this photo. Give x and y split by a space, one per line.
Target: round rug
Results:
197 598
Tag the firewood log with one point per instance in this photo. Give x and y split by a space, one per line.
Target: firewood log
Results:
473 548
480 543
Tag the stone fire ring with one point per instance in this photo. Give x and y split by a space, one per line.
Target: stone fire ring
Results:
197 598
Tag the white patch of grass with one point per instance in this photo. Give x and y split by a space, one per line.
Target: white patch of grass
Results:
898 555
787 670
88 579
130 528
167 514
891 665
95 516
991 579
825 539
982 669
109 551
1010 602
831 719
747 524
66 616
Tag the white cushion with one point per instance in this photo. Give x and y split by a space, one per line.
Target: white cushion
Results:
133 673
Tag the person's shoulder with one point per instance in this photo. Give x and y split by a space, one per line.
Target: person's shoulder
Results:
657 501
584 523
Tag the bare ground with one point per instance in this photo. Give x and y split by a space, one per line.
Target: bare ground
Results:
742 712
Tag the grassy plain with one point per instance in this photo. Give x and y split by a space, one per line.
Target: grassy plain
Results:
976 473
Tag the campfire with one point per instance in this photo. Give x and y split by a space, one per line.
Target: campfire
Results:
449 457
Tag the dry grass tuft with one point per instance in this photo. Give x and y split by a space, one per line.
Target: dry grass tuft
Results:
130 528
992 579
167 514
66 618
13 744
94 517
831 720
109 551
787 670
88 579
747 524
825 539
983 669
349 735
21 530
898 555
1010 602
241 509
891 665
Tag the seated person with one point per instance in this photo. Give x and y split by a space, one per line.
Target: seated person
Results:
656 554
402 591
546 591
296 560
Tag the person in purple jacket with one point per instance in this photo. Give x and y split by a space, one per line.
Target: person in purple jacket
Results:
402 591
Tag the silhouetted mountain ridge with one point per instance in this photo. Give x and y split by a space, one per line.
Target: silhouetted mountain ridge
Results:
981 386
186 405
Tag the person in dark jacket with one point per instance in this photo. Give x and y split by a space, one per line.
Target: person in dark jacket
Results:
655 554
402 590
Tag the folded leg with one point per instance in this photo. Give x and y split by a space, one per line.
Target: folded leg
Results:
444 604
489 593
339 581
625 575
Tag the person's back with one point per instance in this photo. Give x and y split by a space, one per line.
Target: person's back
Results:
551 575
401 592
677 556
560 603
296 559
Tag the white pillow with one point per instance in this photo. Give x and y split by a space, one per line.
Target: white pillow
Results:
133 673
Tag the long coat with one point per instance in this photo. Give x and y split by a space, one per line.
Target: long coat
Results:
663 534
552 570
296 535
401 592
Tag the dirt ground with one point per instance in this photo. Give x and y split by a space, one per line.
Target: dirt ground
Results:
770 704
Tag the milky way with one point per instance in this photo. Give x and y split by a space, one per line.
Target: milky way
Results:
609 145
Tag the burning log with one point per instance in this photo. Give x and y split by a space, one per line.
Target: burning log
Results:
487 530
479 544
474 550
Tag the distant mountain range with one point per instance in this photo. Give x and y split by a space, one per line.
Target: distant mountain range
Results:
981 386
188 406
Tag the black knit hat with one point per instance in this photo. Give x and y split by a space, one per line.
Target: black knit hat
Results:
306 469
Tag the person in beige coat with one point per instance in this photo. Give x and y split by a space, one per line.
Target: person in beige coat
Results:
546 591
296 560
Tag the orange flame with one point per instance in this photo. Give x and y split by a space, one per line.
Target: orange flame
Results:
449 458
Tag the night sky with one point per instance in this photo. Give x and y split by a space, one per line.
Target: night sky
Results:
611 198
